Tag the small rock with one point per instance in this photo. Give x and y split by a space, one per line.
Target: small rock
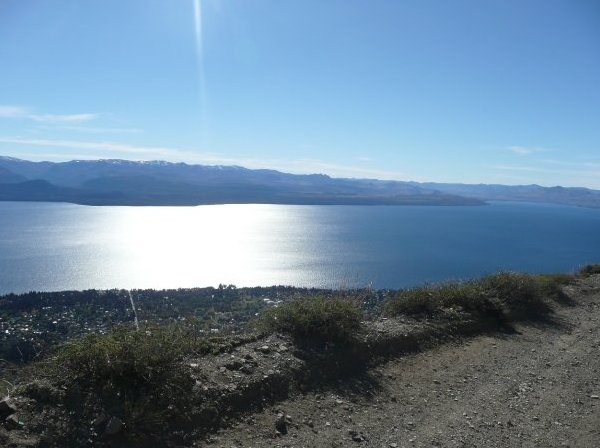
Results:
393 445
595 397
7 408
264 349
12 422
281 424
235 364
247 368
356 436
114 426
100 420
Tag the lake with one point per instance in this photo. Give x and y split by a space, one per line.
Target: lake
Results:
55 246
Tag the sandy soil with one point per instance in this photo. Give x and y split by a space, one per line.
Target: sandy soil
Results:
537 386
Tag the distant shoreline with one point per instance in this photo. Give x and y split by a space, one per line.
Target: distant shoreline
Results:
468 203
159 183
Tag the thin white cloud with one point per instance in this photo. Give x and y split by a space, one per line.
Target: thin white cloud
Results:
7 111
566 174
525 150
57 118
93 129
574 164
95 146
521 168
94 150
13 111
341 170
573 175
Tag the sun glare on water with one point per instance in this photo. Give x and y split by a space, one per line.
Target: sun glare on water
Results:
191 246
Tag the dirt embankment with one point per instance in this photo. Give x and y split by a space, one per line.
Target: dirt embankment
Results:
538 386
534 384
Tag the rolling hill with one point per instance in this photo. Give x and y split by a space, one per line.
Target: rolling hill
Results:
124 182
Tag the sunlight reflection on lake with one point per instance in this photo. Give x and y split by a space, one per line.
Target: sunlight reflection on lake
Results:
212 245
45 246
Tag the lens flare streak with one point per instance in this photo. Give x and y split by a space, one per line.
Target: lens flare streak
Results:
200 67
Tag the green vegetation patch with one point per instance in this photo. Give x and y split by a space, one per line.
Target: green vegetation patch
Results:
499 296
590 269
550 286
137 376
124 355
430 300
519 294
314 319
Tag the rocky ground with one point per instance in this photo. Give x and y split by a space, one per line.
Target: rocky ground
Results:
538 386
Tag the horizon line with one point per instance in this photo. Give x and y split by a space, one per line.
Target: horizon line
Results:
12 158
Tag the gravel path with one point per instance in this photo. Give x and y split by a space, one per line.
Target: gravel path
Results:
536 387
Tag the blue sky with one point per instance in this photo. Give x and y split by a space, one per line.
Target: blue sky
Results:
504 91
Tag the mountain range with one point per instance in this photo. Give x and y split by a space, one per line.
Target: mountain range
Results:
124 182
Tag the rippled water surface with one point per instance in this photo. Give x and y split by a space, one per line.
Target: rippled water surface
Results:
45 246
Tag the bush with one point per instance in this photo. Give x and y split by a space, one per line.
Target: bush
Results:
434 299
518 293
138 376
316 319
416 301
128 357
550 286
590 269
499 296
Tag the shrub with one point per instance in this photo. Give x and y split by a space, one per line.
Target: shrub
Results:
134 358
416 301
550 286
499 296
314 319
430 300
138 376
469 296
590 269
517 292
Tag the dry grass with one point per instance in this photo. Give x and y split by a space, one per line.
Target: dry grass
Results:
317 319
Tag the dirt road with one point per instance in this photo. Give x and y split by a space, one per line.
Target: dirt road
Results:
538 386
